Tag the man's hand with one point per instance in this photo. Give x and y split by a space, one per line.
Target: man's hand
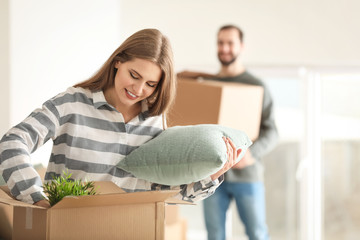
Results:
232 155
42 203
247 160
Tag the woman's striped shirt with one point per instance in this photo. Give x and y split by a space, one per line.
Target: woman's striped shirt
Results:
89 138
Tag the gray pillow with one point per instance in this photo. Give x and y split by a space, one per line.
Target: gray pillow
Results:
183 154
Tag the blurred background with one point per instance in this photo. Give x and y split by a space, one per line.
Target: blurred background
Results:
306 51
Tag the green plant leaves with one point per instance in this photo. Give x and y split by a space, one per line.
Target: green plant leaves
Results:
63 186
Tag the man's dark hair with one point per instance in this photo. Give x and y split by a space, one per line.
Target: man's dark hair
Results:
230 26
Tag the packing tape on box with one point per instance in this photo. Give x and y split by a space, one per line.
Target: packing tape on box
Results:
28 218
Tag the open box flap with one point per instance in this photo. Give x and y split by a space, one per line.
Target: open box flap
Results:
107 187
178 201
115 199
7 198
108 194
5 189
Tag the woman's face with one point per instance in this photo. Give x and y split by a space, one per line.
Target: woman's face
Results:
135 81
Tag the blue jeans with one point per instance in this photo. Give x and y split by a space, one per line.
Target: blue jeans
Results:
250 202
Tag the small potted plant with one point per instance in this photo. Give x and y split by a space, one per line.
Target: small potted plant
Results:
62 186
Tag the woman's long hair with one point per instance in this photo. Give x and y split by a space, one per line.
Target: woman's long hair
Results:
147 44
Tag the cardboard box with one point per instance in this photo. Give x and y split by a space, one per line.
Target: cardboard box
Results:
172 214
176 230
175 225
229 104
112 214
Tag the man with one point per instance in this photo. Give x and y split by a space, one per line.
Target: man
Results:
244 182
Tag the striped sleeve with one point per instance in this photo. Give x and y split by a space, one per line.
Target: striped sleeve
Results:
194 192
15 149
199 190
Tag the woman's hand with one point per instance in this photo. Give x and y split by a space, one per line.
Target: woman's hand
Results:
42 203
247 160
232 155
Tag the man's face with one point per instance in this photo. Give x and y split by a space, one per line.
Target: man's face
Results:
229 46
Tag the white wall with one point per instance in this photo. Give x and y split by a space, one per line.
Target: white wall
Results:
277 32
4 67
55 44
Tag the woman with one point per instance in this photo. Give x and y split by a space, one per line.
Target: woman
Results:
96 123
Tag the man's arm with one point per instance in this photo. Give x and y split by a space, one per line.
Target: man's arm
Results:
268 135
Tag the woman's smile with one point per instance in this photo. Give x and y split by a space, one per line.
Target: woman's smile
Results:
130 95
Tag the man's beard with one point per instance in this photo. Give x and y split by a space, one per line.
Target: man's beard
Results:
227 63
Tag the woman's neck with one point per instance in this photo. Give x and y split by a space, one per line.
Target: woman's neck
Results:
128 112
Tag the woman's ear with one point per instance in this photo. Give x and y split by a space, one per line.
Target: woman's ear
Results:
151 99
117 64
